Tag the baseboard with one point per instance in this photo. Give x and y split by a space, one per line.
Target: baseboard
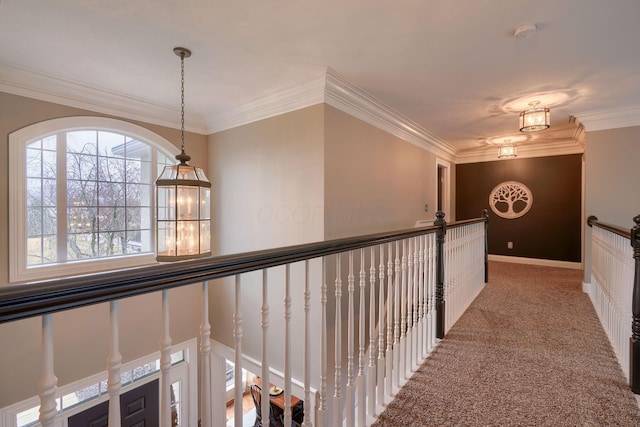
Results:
536 261
586 287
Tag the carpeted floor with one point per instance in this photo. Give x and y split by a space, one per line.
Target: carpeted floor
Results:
529 351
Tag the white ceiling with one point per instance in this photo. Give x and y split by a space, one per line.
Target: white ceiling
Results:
450 67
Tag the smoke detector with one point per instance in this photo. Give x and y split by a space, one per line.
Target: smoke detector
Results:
524 31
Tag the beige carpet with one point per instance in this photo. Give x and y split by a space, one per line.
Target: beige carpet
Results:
529 351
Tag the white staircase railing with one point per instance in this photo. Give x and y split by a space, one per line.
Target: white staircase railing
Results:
391 320
615 290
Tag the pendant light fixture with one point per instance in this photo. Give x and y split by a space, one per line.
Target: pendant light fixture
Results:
507 150
535 118
183 194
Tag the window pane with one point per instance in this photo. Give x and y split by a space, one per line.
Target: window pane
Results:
49 221
144 370
34 192
82 220
49 195
112 243
82 142
82 245
34 251
111 194
111 170
49 142
82 193
49 164
110 144
34 222
81 167
133 194
134 171
34 163
111 219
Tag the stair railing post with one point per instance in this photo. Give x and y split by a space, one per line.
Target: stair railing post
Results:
634 348
485 215
440 303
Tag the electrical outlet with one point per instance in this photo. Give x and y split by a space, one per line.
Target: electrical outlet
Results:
509 245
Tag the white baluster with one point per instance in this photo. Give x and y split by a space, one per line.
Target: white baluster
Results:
237 335
396 325
114 362
364 381
165 364
265 407
48 381
371 386
403 316
287 347
416 304
337 394
205 357
390 303
351 416
307 347
409 324
322 407
381 324
420 349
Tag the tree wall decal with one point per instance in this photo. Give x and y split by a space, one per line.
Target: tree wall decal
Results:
510 200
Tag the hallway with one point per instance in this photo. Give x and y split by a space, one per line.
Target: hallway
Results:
530 350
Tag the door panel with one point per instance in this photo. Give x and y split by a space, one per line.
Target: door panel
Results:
138 408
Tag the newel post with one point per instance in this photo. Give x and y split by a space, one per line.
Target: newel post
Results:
440 303
634 352
485 215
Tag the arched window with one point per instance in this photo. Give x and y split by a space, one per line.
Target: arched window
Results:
81 196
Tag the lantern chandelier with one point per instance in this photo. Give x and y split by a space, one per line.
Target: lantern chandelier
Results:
507 150
535 118
183 194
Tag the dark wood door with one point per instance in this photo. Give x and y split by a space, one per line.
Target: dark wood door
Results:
138 408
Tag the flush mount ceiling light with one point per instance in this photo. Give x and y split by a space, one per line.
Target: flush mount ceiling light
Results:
535 118
507 150
183 226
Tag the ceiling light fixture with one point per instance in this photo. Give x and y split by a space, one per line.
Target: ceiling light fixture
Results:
507 150
535 118
183 228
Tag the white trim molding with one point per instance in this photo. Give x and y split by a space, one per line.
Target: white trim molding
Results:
611 118
536 261
341 94
322 85
29 83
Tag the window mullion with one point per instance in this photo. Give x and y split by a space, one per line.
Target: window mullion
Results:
61 196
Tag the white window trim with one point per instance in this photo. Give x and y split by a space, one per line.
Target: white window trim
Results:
446 191
18 271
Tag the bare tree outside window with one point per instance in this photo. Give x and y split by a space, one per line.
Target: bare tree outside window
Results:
108 196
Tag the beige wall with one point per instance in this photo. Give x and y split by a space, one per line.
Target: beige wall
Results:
612 180
267 181
20 341
373 181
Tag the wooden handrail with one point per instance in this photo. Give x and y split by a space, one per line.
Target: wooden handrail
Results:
592 220
37 298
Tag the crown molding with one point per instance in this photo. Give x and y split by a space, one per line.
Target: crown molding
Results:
291 96
322 85
610 118
326 85
21 81
490 153
341 94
